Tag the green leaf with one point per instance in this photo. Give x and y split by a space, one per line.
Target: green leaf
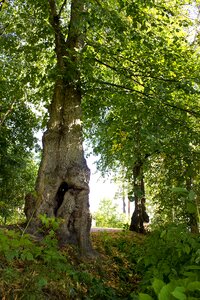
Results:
192 286
192 195
163 233
187 248
144 297
192 267
29 256
191 207
10 255
179 190
165 293
158 285
178 293
42 282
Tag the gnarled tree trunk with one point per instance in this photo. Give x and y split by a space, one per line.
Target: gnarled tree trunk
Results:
63 179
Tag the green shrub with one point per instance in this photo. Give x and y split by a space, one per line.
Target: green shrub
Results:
169 265
181 289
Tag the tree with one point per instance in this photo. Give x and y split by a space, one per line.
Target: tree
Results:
18 122
17 178
150 98
17 167
62 183
174 188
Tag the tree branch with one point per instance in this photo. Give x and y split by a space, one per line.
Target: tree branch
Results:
61 9
131 75
190 111
59 38
116 70
123 87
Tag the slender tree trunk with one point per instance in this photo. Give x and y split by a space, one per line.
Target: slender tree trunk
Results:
193 217
139 215
63 179
137 169
129 208
123 196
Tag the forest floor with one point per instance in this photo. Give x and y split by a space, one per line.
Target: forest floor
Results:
163 264
33 271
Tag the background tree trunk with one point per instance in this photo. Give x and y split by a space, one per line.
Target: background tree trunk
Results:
193 217
139 215
63 179
134 226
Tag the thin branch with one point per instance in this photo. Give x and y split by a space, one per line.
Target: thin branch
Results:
143 74
191 112
123 87
61 9
105 64
116 70
134 75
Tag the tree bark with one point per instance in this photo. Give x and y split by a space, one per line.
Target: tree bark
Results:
62 186
139 215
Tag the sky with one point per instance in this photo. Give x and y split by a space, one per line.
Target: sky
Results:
102 187
99 187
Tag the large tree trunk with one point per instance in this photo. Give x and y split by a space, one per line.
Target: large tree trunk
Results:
63 179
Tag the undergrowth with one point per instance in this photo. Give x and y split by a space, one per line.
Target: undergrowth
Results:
169 264
162 265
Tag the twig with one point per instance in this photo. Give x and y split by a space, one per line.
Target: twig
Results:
62 6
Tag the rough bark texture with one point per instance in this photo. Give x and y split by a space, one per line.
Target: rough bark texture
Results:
63 181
